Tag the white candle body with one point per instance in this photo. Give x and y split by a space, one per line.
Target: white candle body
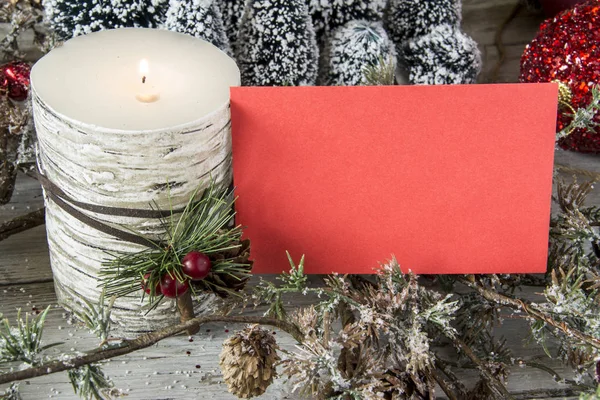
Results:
124 154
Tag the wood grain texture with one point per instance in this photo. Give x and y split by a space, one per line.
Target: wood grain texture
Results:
166 371
125 169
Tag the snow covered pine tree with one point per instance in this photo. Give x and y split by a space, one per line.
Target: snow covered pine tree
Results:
430 44
231 13
330 14
408 19
199 18
277 45
352 48
70 18
444 56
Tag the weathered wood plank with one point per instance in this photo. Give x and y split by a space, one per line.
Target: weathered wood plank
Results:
589 162
508 71
24 258
481 20
162 371
26 197
168 368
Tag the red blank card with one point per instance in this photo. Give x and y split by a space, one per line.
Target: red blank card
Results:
448 179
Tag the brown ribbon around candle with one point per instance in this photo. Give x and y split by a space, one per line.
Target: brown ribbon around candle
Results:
65 202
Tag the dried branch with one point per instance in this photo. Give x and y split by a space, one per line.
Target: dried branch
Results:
532 311
446 387
142 342
497 387
455 381
22 223
23 15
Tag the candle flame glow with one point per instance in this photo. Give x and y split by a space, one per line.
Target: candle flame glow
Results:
146 93
144 67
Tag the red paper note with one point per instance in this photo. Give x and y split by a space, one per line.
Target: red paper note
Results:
448 179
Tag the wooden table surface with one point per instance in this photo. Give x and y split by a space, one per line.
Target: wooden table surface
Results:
166 371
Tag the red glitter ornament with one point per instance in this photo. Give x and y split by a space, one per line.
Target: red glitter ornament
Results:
14 80
567 49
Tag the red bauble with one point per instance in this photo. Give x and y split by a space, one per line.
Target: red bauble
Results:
567 49
147 289
196 265
14 80
171 287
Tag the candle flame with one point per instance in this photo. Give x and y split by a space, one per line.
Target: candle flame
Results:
144 69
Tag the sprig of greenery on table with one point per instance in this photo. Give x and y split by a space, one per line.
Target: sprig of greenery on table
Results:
583 117
23 342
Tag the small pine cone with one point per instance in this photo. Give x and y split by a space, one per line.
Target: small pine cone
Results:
248 362
222 284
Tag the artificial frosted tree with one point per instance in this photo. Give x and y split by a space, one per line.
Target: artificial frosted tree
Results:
279 46
70 18
199 18
429 42
157 11
444 56
409 19
330 14
232 12
353 47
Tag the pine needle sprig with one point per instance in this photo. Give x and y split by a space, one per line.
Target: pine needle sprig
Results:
583 117
269 293
11 393
381 74
575 228
204 225
89 382
592 214
591 396
97 317
23 342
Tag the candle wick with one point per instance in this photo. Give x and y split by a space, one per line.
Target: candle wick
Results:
144 79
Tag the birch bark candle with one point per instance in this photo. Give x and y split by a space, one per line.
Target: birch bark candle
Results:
126 118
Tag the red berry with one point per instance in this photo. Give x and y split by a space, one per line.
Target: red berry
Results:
147 289
14 80
196 265
171 287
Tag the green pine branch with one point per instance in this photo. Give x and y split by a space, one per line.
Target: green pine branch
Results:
383 73
89 382
23 342
11 393
97 317
583 117
204 226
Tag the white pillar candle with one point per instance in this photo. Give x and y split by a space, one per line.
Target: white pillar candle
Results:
95 78
108 136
